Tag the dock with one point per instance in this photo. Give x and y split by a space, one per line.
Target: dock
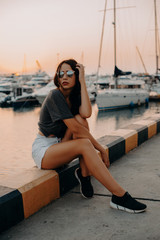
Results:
41 204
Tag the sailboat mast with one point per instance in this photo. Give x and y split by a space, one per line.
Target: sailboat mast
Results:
156 36
115 45
100 49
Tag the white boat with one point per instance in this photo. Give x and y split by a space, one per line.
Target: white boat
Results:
38 82
6 87
155 91
39 79
2 97
129 93
19 96
92 96
122 92
23 101
8 82
90 88
41 93
103 82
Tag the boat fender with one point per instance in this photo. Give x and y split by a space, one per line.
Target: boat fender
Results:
139 102
147 100
131 104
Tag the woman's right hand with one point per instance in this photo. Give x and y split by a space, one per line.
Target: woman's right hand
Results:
105 158
80 68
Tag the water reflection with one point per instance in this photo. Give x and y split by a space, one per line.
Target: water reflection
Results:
103 122
19 128
26 110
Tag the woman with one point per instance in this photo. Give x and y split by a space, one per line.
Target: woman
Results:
64 135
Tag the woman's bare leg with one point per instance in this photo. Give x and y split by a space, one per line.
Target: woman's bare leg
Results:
84 170
62 153
68 136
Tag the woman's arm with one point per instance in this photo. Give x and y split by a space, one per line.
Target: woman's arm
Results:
85 109
79 131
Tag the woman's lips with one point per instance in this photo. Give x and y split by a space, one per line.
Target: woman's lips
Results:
65 83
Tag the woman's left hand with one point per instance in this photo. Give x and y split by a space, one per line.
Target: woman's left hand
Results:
105 158
80 68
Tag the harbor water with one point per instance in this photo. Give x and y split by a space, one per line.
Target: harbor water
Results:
19 128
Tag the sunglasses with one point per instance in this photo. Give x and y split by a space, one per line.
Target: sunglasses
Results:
69 73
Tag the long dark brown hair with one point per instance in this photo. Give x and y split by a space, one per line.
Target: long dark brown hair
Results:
75 96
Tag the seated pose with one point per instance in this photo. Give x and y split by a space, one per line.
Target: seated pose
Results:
64 135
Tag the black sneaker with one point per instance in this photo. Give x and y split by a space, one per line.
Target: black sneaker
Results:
86 188
127 203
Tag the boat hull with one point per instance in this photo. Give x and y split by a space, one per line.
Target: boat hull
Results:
115 98
40 98
25 102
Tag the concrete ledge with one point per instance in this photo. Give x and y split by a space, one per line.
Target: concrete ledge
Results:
141 130
67 179
115 146
27 193
24 194
11 208
130 137
151 125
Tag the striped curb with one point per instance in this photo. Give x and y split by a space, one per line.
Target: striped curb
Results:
23 194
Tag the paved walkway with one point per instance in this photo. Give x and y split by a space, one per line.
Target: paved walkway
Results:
73 218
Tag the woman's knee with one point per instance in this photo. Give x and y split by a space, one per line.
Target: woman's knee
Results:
85 144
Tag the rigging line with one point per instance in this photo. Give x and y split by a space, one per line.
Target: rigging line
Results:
147 32
115 31
156 38
121 39
132 24
158 44
109 46
117 8
101 41
136 40
121 28
141 59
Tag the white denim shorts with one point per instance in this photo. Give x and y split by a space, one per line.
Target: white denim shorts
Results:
40 146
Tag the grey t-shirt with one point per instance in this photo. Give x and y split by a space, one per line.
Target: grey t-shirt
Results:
54 109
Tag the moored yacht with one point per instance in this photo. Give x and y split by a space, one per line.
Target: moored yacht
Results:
129 93
41 93
155 91
122 92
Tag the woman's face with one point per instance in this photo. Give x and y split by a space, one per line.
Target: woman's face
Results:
67 81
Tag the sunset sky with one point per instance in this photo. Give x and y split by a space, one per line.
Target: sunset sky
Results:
52 30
